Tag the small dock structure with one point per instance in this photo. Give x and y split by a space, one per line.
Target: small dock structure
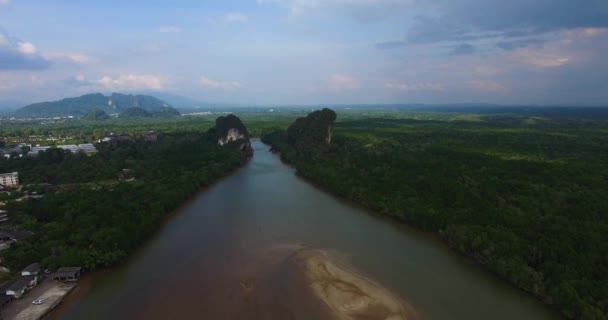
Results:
67 274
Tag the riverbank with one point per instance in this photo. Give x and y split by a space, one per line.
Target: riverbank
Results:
382 212
232 254
50 292
86 283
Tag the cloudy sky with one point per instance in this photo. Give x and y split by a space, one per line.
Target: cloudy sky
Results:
309 51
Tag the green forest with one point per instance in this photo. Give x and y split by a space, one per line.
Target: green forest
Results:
91 218
525 196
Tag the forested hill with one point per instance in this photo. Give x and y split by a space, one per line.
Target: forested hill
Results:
526 199
80 106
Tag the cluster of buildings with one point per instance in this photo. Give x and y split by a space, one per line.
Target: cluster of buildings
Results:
18 149
26 281
7 239
30 277
87 148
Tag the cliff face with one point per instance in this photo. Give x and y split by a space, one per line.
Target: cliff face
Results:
313 133
230 129
330 132
233 134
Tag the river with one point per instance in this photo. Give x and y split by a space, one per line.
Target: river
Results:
229 239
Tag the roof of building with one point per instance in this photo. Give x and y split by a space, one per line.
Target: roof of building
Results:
4 234
87 147
66 272
9 174
34 267
71 147
69 269
20 283
17 235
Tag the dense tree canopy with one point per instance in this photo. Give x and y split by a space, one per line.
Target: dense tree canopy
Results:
96 114
91 218
526 197
164 112
135 112
313 133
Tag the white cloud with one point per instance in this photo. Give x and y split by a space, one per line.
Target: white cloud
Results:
297 7
340 82
539 59
131 82
72 57
169 29
26 48
235 17
16 54
215 84
587 32
419 86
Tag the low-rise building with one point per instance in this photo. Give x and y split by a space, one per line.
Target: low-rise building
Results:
151 136
67 274
111 137
9 179
5 244
31 270
87 148
34 151
3 216
126 175
69 147
125 137
21 285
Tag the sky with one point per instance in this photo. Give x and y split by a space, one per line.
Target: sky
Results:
309 51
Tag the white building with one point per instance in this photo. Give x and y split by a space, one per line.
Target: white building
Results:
87 147
31 270
34 151
72 147
9 179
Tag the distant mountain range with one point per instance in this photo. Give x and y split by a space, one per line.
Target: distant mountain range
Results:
10 105
81 106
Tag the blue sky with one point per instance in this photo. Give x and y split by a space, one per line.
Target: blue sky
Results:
309 51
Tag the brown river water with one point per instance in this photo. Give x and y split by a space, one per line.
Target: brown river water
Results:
265 244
